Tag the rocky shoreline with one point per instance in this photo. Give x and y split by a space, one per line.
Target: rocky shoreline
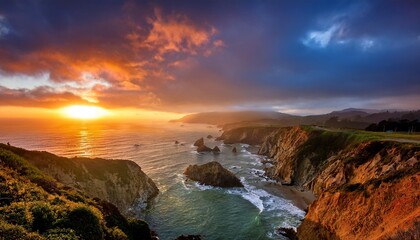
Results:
349 174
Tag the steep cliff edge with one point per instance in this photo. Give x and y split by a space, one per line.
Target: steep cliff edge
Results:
367 188
247 135
34 205
120 182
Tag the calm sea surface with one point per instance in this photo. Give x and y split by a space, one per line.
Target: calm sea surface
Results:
182 207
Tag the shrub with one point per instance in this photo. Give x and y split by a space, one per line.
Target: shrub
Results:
43 217
85 223
138 229
61 234
116 234
13 232
17 213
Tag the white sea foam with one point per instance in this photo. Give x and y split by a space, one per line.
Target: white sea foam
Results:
203 187
264 201
235 167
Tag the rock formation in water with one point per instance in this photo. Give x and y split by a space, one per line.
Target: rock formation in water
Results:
120 182
216 149
199 142
189 237
366 188
203 148
234 150
214 174
209 136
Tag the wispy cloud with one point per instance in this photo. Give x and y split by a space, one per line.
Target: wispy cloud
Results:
4 26
337 30
322 38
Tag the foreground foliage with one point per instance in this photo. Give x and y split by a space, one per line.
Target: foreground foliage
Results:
34 205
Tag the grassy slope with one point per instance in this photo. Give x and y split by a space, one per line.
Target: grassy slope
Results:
35 206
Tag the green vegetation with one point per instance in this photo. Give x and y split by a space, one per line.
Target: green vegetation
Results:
34 205
324 143
95 167
359 136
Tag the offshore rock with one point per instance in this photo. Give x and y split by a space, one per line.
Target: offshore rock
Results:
204 148
199 142
216 149
214 174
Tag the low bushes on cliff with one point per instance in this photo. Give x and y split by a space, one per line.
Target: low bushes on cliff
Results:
35 206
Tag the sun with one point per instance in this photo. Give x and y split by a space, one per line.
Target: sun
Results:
84 112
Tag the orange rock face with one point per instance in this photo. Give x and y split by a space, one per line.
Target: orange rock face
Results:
389 211
366 189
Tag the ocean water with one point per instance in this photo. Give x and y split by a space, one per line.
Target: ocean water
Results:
183 206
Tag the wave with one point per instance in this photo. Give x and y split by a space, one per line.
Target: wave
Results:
265 201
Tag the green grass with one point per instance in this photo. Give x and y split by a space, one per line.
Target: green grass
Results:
359 136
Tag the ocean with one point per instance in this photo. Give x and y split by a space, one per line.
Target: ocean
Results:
183 206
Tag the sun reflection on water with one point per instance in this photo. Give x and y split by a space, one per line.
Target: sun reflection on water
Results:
85 146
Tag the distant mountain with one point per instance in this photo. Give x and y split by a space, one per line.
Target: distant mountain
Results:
346 118
220 118
364 110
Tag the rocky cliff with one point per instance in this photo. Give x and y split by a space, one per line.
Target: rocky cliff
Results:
120 182
367 188
247 135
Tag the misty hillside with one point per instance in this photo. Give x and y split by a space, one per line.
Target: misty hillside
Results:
220 118
347 118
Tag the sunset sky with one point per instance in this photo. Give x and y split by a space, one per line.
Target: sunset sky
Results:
177 57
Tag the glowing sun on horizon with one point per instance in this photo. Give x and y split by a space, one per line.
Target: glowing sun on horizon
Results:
84 112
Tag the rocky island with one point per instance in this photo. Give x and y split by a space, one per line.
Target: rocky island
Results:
214 174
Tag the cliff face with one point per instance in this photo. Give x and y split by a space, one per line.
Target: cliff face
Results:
120 182
366 189
247 135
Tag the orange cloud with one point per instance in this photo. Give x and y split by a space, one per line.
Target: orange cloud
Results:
120 66
175 34
38 97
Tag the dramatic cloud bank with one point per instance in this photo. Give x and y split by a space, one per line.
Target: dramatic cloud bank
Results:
188 56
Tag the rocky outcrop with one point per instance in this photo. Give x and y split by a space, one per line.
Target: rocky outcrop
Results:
209 136
366 189
216 149
189 237
247 135
199 142
120 182
203 148
283 145
214 174
234 150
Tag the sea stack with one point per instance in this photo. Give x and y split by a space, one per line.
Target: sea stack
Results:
234 150
216 149
203 148
199 142
214 174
